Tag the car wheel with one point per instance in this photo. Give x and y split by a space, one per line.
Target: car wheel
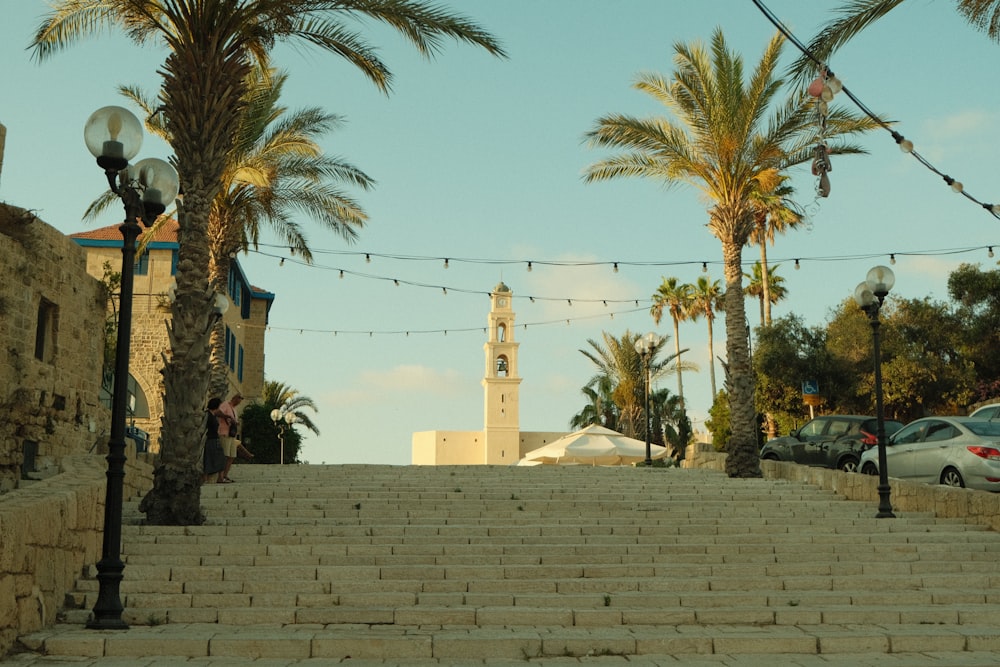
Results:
951 477
849 464
869 469
770 457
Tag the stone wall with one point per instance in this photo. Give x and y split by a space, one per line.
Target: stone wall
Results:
981 507
51 347
50 531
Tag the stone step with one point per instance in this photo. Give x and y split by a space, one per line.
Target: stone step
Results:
456 565
455 616
413 643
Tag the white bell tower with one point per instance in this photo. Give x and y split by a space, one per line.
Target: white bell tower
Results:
502 429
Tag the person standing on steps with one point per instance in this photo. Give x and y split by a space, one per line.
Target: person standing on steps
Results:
229 425
214 460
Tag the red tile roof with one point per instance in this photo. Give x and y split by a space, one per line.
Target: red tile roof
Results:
166 234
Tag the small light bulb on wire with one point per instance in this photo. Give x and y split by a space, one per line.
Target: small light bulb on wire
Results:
797 267
704 267
892 259
282 262
368 258
446 262
989 252
615 268
529 266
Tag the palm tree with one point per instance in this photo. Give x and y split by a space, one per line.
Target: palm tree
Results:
755 286
600 408
212 45
676 299
727 141
706 298
774 213
670 424
275 169
856 15
270 441
619 365
279 396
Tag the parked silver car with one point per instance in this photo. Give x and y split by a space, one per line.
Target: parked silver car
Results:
956 451
991 411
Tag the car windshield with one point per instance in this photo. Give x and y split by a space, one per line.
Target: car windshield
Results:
891 427
983 428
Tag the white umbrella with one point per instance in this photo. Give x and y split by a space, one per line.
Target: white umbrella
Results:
594 445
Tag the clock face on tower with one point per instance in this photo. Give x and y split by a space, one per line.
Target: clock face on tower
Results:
501 302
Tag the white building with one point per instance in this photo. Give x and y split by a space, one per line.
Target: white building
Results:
501 442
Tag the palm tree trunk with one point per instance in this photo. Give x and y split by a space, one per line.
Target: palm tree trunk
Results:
742 459
765 319
711 351
765 284
218 278
202 94
677 356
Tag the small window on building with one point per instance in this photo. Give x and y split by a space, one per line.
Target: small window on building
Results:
29 452
239 365
501 332
142 264
45 332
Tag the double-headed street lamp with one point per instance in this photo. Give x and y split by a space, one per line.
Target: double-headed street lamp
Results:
646 346
870 295
282 420
113 135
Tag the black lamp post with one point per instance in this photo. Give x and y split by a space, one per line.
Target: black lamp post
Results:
646 346
870 295
113 135
282 420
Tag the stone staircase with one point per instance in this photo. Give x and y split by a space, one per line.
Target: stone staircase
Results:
485 565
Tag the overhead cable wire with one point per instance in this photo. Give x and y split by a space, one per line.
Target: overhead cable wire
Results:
904 144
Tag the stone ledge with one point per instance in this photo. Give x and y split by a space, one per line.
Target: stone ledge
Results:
50 530
980 507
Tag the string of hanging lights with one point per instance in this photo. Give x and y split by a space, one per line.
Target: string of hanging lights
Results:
798 261
827 85
417 332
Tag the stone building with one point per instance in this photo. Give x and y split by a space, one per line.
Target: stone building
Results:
245 321
501 442
52 345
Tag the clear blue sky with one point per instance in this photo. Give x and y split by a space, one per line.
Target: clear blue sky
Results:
482 158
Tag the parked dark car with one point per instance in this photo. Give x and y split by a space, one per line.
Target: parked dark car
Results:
830 441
